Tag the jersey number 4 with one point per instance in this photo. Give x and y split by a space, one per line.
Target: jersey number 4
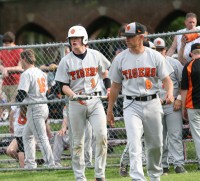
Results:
42 84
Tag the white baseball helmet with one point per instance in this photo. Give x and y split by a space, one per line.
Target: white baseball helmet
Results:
78 31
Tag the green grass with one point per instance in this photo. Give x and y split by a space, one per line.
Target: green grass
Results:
111 175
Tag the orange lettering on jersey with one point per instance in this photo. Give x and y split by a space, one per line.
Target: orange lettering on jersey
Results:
72 75
153 72
92 71
87 72
134 72
78 74
42 84
130 74
82 73
147 72
125 73
148 84
141 72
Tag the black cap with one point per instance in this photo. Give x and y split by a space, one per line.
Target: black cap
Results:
195 46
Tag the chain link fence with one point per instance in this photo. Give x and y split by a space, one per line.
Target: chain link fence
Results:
46 55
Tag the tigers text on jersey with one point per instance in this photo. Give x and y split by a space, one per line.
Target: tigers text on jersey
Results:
138 73
34 82
83 75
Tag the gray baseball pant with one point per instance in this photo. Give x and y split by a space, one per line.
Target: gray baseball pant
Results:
35 127
78 116
194 121
144 117
172 136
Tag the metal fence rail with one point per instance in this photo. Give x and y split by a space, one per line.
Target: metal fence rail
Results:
48 53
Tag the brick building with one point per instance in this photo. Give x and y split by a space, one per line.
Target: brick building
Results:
35 21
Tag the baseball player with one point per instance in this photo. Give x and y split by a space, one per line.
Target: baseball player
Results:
124 161
137 70
172 120
79 73
33 87
17 120
191 96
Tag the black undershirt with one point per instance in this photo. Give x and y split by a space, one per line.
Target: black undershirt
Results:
81 56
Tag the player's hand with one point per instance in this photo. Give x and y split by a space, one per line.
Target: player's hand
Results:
177 105
169 99
185 114
110 119
62 132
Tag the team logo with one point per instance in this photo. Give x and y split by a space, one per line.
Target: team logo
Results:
148 84
72 31
158 42
128 28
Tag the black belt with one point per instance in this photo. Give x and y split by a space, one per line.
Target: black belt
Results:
144 98
92 94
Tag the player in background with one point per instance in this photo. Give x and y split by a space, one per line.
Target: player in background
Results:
17 122
191 96
33 87
79 73
137 70
172 120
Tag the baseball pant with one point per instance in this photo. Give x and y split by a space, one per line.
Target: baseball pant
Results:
172 136
144 117
125 160
36 128
79 114
194 121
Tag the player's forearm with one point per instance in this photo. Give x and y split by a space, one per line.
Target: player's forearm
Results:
168 84
114 92
172 49
181 56
68 91
170 52
183 97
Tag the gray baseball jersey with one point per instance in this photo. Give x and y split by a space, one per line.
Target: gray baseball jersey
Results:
140 76
83 75
175 69
34 82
